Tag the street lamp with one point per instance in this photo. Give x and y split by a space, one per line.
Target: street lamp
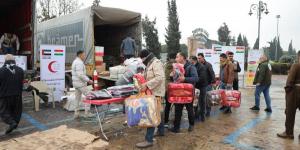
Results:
276 53
260 8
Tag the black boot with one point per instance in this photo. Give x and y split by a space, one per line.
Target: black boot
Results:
11 128
228 110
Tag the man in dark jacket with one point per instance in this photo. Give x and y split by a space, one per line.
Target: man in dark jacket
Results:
190 76
237 69
262 80
210 74
292 90
11 85
201 85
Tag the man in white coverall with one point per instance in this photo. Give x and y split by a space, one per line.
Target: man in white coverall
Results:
80 80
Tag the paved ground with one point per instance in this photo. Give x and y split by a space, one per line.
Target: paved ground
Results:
243 129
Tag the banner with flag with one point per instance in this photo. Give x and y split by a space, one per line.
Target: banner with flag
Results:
253 58
53 68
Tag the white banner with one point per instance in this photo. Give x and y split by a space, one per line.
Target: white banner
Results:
53 68
212 56
253 60
21 61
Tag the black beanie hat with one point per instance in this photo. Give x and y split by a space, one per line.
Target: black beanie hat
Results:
144 53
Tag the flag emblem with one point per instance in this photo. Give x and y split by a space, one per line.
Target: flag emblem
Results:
46 53
58 52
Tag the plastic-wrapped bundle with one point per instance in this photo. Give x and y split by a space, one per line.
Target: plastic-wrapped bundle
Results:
213 98
178 71
100 94
196 97
132 67
143 111
122 90
180 93
231 98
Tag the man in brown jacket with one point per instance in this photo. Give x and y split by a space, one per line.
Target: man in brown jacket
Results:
292 90
226 77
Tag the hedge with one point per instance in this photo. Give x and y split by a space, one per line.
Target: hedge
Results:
280 68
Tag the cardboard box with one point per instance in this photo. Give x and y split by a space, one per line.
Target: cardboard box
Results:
101 68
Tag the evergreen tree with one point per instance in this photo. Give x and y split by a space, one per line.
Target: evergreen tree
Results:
240 41
150 34
96 3
173 35
291 50
279 51
256 46
245 41
272 49
224 34
233 41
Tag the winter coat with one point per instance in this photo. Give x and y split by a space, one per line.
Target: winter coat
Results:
202 75
293 77
155 76
263 74
228 73
191 75
128 46
11 83
210 73
79 76
237 69
168 69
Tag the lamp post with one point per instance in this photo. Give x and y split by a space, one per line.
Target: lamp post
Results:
260 8
276 53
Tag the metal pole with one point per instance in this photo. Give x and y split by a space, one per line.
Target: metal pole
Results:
277 39
259 17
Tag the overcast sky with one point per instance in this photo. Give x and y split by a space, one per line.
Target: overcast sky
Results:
210 14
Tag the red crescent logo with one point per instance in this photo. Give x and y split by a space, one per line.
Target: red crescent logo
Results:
50 67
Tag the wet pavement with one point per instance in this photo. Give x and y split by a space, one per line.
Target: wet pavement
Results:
243 129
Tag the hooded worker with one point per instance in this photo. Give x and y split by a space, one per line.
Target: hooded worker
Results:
11 85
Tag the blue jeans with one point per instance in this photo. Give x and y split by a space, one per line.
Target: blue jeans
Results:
150 132
8 50
265 90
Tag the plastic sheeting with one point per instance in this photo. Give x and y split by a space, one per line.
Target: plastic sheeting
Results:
76 30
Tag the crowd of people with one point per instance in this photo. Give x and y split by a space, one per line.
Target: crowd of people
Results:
197 71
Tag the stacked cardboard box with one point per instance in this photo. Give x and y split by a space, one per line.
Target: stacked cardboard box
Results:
99 53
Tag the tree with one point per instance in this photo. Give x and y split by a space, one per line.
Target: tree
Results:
173 35
150 34
96 3
184 48
245 41
272 49
240 41
46 10
233 41
291 50
224 34
67 6
256 44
